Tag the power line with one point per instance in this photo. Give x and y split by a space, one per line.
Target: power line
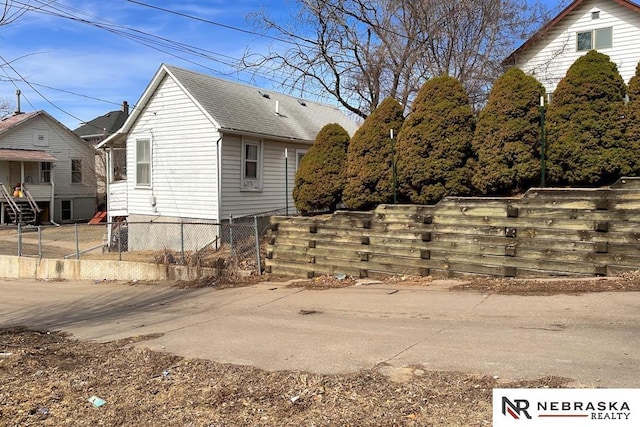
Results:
151 40
158 43
8 64
218 24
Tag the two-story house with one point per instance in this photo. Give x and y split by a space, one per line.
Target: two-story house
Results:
46 171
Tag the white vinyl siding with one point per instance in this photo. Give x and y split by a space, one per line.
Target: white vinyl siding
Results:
275 187
183 168
549 59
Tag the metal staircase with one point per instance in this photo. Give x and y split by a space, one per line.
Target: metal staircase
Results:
23 209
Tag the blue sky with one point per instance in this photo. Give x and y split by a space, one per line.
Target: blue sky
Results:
84 71
101 68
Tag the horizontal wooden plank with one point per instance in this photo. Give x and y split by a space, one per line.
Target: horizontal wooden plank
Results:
482 261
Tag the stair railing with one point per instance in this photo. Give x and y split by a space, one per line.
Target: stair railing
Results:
32 203
17 213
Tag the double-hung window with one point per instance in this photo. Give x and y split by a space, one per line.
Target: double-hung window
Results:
299 155
76 171
251 165
601 38
143 162
45 172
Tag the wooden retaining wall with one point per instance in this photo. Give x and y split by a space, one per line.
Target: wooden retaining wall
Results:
545 232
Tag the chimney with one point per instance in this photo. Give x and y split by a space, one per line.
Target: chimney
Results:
18 102
125 107
277 107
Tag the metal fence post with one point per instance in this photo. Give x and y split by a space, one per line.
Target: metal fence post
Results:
77 242
39 242
255 229
19 239
219 226
182 241
120 241
231 249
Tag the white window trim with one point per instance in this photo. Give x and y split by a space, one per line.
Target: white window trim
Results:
135 160
298 152
81 172
50 170
251 184
593 39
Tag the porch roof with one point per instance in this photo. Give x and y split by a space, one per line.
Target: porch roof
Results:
16 155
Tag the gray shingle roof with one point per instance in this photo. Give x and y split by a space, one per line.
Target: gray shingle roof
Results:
243 108
105 124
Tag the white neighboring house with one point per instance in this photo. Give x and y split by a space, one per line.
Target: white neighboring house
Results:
611 27
203 149
46 171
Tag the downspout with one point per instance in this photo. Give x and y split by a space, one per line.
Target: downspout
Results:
108 176
219 178
52 204
22 175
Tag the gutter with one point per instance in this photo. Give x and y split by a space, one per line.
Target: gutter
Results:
264 135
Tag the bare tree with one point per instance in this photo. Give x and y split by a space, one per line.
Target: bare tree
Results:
6 107
12 10
362 51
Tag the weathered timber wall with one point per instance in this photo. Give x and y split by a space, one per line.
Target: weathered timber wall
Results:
546 232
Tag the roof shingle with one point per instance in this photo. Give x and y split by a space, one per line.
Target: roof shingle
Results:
243 108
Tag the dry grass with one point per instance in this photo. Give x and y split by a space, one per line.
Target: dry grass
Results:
628 282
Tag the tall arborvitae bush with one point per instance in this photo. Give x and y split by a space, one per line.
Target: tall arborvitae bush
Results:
632 122
320 176
434 150
507 137
586 146
369 177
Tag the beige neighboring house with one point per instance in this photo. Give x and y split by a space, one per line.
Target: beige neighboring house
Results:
608 26
203 149
46 171
94 132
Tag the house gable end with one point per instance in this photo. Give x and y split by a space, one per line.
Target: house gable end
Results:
542 32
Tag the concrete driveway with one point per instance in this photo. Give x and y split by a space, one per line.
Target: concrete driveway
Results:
592 338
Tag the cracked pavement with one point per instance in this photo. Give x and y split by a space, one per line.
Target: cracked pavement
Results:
591 338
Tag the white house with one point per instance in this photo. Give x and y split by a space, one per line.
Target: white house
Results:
203 149
608 26
46 171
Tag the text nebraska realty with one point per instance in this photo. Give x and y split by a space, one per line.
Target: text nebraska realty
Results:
603 410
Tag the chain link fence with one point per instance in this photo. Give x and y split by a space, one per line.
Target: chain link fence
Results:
232 243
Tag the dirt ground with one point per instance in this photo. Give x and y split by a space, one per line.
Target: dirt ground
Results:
47 378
